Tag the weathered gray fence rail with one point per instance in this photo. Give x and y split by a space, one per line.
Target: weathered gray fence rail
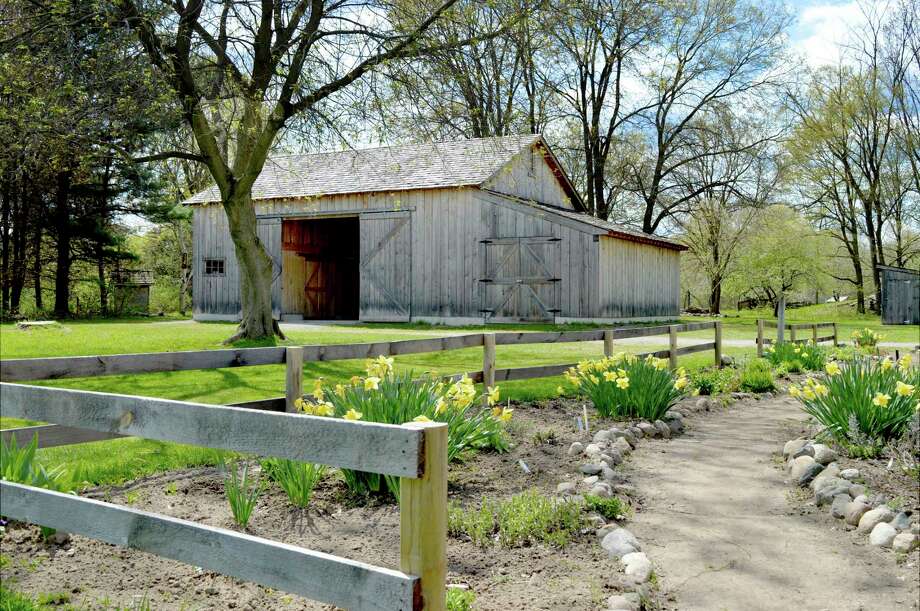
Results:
416 452
295 356
762 340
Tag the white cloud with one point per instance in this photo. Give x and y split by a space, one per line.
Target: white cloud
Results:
823 30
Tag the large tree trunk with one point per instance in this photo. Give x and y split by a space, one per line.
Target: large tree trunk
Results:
62 227
5 247
103 288
37 266
255 272
715 294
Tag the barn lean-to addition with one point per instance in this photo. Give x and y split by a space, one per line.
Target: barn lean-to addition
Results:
454 232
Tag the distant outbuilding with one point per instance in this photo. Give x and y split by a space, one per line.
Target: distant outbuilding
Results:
454 232
900 295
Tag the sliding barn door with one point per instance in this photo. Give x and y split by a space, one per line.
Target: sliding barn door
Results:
520 280
386 267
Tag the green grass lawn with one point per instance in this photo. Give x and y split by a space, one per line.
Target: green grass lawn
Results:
115 461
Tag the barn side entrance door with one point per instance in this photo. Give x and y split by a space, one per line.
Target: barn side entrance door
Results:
386 267
520 278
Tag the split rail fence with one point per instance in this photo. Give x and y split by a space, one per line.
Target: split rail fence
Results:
762 340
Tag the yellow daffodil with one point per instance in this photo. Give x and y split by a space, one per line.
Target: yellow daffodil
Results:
832 368
881 399
496 411
804 355
353 415
681 372
661 364
355 380
593 379
794 391
821 390
904 362
299 404
422 418
560 391
623 383
340 390
887 364
492 395
610 376
797 350
505 414
904 389
808 393
621 373
324 409
440 406
371 383
680 383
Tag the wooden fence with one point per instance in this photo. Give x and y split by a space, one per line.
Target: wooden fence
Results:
780 333
295 356
415 452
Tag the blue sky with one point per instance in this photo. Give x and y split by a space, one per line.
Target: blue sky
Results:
823 25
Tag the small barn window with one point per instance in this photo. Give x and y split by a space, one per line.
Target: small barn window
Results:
213 267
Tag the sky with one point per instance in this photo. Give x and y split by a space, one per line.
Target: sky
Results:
822 26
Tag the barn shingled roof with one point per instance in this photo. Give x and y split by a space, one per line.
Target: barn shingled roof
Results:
391 168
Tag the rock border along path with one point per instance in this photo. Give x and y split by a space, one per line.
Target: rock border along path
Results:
723 534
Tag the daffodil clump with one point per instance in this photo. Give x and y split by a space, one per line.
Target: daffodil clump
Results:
625 386
475 421
810 356
865 400
865 338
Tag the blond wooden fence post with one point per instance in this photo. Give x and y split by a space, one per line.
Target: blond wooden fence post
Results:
781 320
293 379
672 343
608 342
423 519
814 334
718 348
759 337
792 333
488 362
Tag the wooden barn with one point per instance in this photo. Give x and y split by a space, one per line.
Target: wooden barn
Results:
900 295
454 232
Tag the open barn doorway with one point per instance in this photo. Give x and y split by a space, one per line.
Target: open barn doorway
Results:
320 268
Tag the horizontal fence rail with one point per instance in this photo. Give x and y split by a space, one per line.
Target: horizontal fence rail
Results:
416 452
762 340
345 583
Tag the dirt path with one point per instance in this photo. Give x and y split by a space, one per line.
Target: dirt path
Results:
723 534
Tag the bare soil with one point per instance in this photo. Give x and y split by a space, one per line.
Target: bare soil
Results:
94 574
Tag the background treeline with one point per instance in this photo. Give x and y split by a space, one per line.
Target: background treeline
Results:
692 119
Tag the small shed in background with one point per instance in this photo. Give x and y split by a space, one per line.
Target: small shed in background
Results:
900 295
132 290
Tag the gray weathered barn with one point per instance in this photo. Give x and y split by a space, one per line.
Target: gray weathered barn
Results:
900 295
455 232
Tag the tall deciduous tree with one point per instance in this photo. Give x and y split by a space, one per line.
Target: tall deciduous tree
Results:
269 62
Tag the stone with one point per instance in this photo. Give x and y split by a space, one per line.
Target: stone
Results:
59 538
619 542
596 520
638 567
834 487
602 490
636 431
901 521
609 475
663 429
566 488
862 498
676 426
627 489
857 490
794 446
672 414
704 404
593 449
622 446
627 435
601 436
576 448
806 450
882 535
873 517
905 543
603 531
766 395
839 506
591 480
854 512
811 472
830 473
612 458
624 602
647 429
727 361
849 474
591 468
823 454
800 465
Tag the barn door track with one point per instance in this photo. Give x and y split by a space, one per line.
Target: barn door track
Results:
719 525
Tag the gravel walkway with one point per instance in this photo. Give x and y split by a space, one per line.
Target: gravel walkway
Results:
722 533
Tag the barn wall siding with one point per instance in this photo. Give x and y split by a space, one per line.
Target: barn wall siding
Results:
529 176
442 263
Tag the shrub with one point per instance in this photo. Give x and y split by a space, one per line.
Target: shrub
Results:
525 518
242 493
611 508
624 385
383 396
757 376
797 357
459 599
297 479
865 338
863 403
714 381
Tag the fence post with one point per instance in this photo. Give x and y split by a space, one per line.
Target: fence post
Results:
608 342
719 344
672 350
781 320
835 334
293 381
423 519
814 334
759 337
792 333
488 362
